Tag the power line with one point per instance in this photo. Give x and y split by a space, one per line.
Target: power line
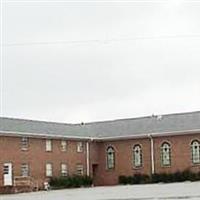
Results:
83 1
90 1
98 41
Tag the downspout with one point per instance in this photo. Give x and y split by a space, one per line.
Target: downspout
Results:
88 158
152 154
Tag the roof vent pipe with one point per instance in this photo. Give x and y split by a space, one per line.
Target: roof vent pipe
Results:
159 117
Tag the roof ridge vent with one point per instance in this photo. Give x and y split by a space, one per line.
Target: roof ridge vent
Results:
82 123
159 117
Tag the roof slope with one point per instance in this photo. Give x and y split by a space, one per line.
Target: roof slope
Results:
105 129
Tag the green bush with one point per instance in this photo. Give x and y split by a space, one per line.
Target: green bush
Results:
136 179
162 177
141 179
175 177
155 178
70 182
198 175
123 180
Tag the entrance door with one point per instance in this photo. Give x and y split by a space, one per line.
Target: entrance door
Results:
7 174
94 173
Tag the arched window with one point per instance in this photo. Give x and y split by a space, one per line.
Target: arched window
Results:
165 154
110 157
137 156
195 151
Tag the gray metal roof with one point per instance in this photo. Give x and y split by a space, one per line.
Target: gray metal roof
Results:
105 129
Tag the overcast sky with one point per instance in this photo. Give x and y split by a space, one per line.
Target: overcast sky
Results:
82 61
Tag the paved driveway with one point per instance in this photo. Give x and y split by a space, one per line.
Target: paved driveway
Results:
174 191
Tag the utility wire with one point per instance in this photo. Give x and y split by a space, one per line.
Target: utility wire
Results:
83 1
93 1
89 1
98 41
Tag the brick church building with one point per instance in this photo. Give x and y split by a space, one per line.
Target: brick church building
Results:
37 150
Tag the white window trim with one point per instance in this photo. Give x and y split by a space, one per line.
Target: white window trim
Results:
63 144
195 158
24 170
24 143
110 150
48 144
64 170
80 147
79 168
49 169
138 148
165 163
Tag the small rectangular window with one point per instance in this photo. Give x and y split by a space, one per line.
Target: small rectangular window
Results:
48 145
24 170
49 170
79 146
63 169
63 145
24 143
79 169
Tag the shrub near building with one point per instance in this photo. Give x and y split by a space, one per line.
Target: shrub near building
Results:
162 177
70 182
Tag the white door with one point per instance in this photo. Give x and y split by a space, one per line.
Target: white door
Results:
7 173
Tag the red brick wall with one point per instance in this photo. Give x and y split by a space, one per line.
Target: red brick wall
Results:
123 160
36 157
94 161
180 153
180 157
